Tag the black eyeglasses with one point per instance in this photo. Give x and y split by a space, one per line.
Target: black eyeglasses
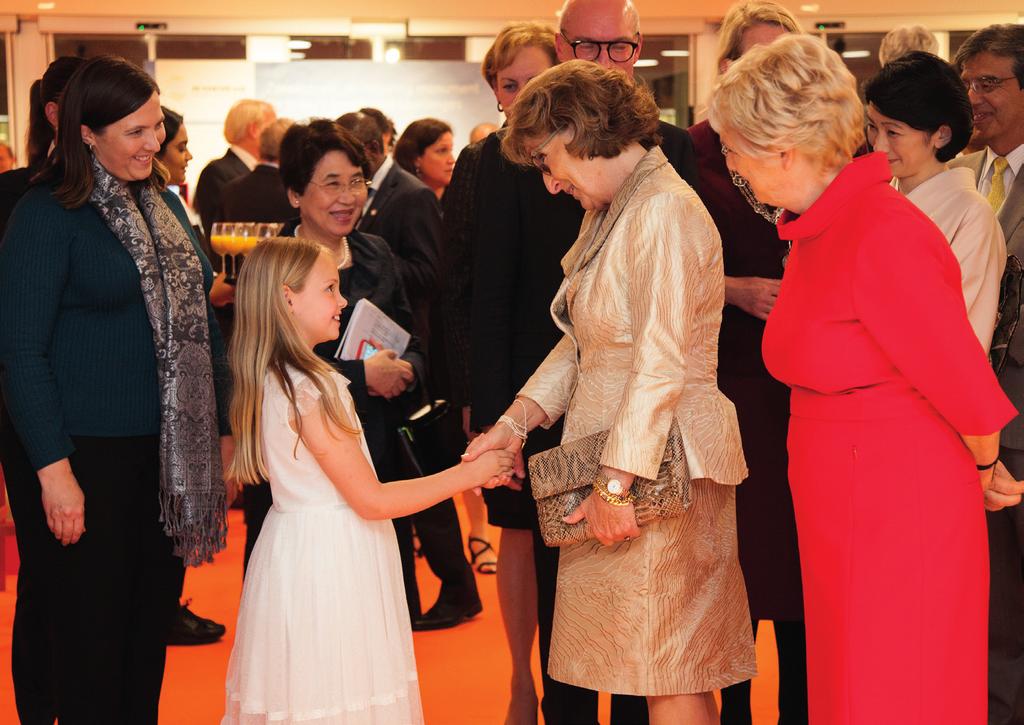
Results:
619 51
539 158
985 84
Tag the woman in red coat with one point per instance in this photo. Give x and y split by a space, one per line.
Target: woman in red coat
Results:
895 412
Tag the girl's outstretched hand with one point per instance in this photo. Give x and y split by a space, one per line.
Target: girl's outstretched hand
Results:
499 437
491 468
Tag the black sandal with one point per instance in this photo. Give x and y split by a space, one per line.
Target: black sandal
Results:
484 567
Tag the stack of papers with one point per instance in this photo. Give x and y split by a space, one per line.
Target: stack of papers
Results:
367 327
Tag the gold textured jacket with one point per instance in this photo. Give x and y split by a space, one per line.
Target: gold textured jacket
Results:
640 307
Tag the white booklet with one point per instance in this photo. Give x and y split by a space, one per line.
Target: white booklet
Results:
368 326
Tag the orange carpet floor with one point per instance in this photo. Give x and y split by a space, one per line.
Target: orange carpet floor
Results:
464 672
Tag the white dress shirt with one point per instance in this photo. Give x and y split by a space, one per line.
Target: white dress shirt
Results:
377 180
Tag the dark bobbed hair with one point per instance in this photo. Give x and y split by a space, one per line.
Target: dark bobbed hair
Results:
415 139
304 144
924 92
1006 40
172 124
102 91
47 89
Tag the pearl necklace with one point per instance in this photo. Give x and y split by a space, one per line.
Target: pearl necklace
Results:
344 257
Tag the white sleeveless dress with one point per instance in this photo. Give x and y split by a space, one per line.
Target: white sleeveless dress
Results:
323 634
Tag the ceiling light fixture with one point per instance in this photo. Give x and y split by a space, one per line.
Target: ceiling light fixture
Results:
810 8
646 63
675 53
856 53
46 6
299 45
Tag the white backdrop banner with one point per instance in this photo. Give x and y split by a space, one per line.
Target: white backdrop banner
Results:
203 90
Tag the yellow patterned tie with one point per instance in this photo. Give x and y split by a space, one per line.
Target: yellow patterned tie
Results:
997 194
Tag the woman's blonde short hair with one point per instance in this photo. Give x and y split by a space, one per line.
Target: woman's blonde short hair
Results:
743 16
605 110
901 40
245 112
512 39
792 93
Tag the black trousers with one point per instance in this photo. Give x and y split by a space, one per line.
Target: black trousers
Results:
1006 606
791 644
440 538
89 640
439 533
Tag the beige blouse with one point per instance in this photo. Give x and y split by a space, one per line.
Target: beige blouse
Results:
952 201
640 307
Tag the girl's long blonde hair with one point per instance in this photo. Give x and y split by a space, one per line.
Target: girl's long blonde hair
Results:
265 340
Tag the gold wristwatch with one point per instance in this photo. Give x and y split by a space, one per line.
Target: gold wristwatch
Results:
612 491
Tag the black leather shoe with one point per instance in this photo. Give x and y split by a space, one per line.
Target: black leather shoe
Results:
444 615
189 629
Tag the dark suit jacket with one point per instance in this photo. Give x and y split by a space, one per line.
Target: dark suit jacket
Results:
677 146
522 233
257 197
374 276
208 200
459 205
406 214
1011 219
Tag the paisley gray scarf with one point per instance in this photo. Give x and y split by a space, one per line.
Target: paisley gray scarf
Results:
192 495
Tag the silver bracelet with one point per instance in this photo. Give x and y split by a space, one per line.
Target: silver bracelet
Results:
518 431
526 416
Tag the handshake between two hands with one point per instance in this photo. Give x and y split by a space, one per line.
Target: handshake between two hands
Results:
496 457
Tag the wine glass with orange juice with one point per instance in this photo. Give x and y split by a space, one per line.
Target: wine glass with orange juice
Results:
221 242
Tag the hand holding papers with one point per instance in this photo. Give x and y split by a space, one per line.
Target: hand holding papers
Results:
368 331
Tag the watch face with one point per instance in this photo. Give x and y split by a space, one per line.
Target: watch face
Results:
615 487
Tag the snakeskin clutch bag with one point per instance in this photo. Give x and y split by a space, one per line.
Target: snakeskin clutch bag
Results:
561 478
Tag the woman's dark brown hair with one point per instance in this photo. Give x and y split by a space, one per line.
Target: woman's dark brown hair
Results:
102 91
416 138
604 110
304 144
47 89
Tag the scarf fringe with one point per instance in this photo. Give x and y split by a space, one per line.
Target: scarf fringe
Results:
197 522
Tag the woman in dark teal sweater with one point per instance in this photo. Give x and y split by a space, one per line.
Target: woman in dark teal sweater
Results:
115 382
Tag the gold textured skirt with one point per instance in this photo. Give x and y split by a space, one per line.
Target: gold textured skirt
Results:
664 614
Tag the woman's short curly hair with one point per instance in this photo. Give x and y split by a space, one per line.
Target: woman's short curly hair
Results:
904 38
792 93
605 110
510 40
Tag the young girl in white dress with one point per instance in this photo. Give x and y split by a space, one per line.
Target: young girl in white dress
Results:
323 634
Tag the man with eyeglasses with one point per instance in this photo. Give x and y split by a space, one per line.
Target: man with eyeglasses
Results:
607 32
991 63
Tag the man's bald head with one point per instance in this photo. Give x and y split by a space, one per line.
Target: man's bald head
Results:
601 21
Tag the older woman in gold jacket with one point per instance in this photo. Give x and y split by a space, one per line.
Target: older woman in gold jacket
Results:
659 611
